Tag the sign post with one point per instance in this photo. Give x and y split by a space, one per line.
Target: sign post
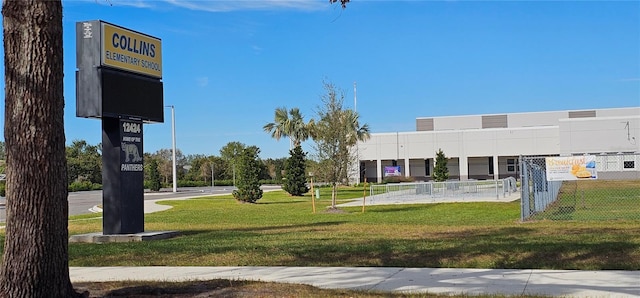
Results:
122 177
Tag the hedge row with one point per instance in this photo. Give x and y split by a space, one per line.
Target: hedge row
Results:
86 185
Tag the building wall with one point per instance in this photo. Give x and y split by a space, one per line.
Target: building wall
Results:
600 135
469 146
469 143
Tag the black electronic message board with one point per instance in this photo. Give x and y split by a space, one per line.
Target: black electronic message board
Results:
131 96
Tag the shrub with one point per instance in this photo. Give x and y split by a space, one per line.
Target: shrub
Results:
296 182
248 174
440 170
398 179
80 186
154 183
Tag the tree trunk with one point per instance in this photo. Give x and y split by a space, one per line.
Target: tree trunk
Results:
334 194
35 260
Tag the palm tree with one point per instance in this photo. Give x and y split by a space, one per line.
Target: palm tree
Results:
355 132
285 126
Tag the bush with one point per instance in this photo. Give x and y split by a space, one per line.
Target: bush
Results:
248 173
224 182
154 183
80 186
3 188
440 170
397 179
296 181
191 183
270 181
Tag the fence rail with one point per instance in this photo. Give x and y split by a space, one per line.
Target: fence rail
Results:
470 189
614 195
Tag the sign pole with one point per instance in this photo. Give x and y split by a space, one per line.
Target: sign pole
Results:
364 194
313 199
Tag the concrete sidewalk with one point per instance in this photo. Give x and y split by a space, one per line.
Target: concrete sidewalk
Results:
565 283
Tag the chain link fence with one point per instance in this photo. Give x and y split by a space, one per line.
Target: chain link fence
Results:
610 192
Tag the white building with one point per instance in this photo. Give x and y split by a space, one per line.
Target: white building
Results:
488 146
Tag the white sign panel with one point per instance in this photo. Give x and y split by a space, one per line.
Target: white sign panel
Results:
571 168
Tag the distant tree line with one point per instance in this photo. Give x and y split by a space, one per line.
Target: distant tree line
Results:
84 167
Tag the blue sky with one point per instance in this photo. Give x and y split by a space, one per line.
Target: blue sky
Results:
228 64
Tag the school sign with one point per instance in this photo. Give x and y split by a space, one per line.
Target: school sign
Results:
119 81
131 51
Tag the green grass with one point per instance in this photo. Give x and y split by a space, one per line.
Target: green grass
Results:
281 230
598 200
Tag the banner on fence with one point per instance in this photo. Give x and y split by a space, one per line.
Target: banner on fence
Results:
392 171
571 168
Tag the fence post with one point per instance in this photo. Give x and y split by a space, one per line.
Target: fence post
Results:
524 188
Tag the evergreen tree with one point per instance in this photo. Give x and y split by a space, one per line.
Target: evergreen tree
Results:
248 171
295 168
84 162
440 170
154 176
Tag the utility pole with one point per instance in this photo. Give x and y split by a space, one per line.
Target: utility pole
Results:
355 107
173 135
355 98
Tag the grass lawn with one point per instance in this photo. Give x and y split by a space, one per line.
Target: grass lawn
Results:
281 230
595 200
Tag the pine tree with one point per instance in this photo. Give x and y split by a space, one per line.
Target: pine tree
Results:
248 175
295 168
154 176
440 170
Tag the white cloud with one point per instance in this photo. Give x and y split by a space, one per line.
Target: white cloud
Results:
202 81
256 49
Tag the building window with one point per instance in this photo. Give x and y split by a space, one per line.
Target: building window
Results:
629 164
394 163
427 167
511 165
490 161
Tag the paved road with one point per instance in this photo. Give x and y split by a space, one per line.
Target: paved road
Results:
80 202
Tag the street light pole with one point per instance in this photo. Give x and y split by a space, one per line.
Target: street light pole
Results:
173 154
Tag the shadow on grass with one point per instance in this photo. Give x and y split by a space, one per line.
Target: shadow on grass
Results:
323 244
263 228
294 200
506 248
211 287
394 208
